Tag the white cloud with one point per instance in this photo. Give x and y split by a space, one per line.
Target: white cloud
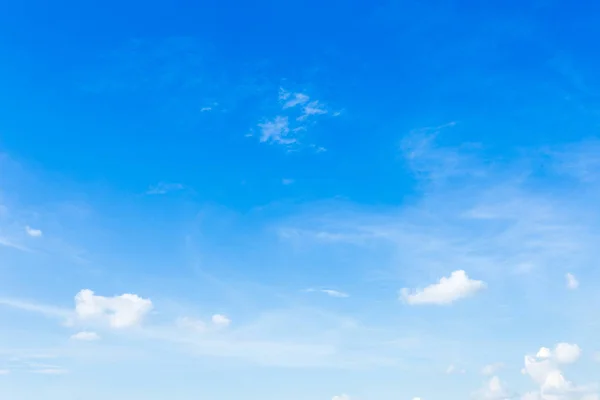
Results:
494 390
335 293
572 282
220 320
33 232
4 371
449 289
296 114
566 353
292 100
86 336
312 108
491 369
164 188
122 311
544 370
276 131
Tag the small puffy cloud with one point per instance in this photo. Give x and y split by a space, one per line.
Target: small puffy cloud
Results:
449 289
566 353
164 188
491 369
33 232
220 320
572 282
544 352
122 311
86 336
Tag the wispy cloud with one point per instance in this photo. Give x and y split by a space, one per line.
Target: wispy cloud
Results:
9 243
295 115
330 292
572 282
164 188
86 336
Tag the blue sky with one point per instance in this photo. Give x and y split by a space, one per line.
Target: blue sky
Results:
317 200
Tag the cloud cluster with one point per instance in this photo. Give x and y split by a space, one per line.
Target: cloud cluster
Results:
544 369
297 111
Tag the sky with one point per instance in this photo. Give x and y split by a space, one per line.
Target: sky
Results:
274 200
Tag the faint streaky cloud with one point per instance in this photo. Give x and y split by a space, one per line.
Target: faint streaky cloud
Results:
341 397
164 188
4 371
47 311
9 243
86 336
453 369
572 282
276 131
287 181
33 232
296 99
312 108
449 289
295 115
192 324
205 109
50 371
330 292
491 369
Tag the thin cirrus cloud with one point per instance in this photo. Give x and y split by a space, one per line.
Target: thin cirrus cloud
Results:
164 188
296 114
448 290
86 336
330 292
